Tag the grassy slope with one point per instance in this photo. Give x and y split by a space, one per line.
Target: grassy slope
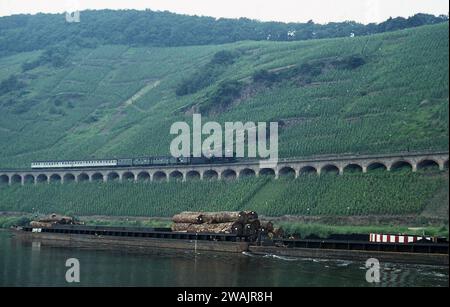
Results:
399 99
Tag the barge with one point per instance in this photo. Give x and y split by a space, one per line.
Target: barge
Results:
149 240
139 239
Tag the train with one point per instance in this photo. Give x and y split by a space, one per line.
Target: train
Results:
130 162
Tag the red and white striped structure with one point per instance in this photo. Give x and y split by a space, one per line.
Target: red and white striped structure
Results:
402 239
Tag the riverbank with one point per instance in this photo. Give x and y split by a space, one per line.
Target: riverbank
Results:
298 226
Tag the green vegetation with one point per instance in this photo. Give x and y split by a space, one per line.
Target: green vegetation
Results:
113 84
56 56
372 94
10 84
9 221
306 71
147 28
208 74
226 92
380 193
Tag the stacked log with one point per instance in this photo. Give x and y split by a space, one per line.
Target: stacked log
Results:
224 217
252 229
188 218
251 216
228 228
267 226
53 219
36 224
228 222
278 232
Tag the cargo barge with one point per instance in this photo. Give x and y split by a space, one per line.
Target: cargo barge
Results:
139 239
157 239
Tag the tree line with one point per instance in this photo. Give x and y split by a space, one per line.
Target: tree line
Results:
20 33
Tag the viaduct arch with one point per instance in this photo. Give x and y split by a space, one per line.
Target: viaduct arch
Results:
287 168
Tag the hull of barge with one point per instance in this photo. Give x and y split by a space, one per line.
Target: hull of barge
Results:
130 243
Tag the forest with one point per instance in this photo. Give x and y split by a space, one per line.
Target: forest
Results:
20 33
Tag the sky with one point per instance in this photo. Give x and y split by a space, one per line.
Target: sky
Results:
321 11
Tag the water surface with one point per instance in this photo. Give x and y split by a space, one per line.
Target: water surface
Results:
32 264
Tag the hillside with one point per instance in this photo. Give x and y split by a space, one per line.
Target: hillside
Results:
367 94
108 95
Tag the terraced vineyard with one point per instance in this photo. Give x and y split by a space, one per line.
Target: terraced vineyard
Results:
379 193
395 99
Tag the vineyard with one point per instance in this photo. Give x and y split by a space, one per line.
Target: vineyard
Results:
396 100
378 193
381 93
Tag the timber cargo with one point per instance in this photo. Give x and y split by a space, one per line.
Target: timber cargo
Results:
240 223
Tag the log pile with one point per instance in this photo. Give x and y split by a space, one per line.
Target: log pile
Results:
54 219
268 228
188 218
228 222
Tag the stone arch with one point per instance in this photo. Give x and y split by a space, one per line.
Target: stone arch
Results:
143 177
176 176
193 175
55 178
210 175
287 172
97 177
329 169
246 173
16 179
28 179
308 170
41 178
68 178
83 177
428 165
4 180
128 176
446 165
353 168
401 165
229 174
112 176
269 172
159 176
376 166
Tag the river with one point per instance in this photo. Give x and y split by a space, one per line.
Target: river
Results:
30 264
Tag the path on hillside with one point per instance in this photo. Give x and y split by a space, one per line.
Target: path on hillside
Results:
129 103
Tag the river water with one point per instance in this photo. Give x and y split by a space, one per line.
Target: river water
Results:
30 264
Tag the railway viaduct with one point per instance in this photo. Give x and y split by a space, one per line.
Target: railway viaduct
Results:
294 167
